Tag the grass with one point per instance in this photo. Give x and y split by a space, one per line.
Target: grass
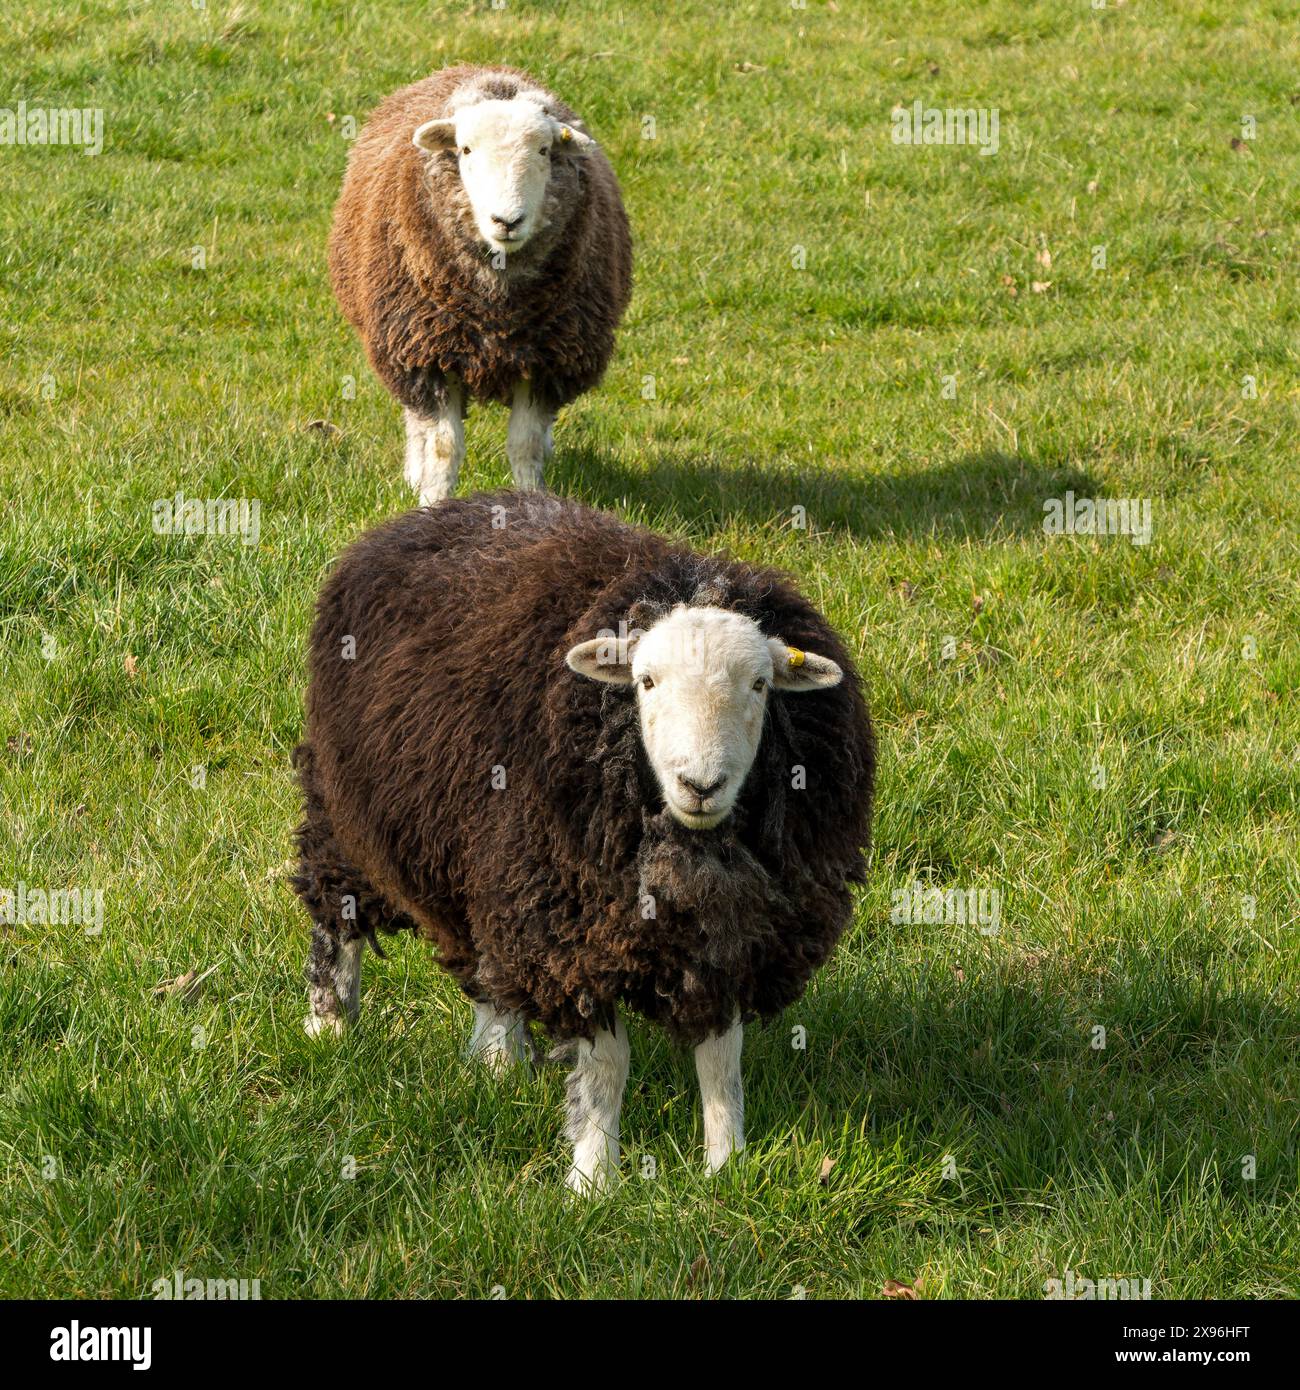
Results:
1105 733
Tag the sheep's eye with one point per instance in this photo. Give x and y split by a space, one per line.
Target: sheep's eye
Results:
546 149
760 684
647 683
464 149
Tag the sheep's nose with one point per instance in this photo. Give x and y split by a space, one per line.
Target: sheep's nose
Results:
507 224
697 789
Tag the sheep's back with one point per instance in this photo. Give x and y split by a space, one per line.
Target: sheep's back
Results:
457 615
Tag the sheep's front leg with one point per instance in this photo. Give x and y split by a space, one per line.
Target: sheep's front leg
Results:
595 1098
435 448
500 1038
528 440
717 1064
334 976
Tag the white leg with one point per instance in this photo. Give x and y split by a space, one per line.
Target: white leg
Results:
717 1064
500 1038
595 1097
334 970
526 439
435 449
415 428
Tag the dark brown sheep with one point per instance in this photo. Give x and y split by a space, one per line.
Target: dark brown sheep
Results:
481 251
571 846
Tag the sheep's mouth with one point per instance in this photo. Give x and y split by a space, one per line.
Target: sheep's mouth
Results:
509 241
699 819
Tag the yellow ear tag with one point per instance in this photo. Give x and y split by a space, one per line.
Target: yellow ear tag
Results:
794 656
566 134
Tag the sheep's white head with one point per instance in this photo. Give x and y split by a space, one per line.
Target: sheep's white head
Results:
702 677
505 151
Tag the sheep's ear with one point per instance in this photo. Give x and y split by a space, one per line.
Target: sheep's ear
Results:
606 659
793 669
435 135
571 140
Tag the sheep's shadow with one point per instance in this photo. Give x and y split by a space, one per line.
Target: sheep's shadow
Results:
1004 1070
975 495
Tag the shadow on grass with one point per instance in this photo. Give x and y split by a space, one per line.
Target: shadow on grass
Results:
1004 1071
976 495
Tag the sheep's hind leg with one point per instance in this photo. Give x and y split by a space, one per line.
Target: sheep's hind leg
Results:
500 1037
334 976
528 440
717 1064
344 907
435 449
595 1098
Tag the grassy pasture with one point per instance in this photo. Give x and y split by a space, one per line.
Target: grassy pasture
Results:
908 349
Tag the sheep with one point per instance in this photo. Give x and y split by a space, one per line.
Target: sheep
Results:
481 251
600 771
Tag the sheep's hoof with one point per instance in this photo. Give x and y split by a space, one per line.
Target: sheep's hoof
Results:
717 1158
319 1026
500 1061
597 1184
501 1056
529 476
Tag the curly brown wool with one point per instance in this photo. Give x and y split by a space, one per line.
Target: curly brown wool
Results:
533 891
415 282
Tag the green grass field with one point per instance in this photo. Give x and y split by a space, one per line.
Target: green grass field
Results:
1105 733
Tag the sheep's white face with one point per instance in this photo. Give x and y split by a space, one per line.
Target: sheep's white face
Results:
702 677
504 150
